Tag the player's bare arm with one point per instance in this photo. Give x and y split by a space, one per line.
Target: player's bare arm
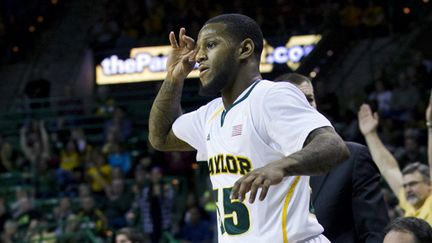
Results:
323 150
385 161
166 107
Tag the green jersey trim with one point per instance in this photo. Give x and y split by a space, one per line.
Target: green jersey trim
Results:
224 112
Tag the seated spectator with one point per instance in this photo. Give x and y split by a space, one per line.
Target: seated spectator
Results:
382 95
408 230
62 213
25 214
118 202
141 178
120 124
4 213
9 233
196 229
153 209
39 231
71 230
69 157
91 217
20 193
99 173
404 99
81 143
411 151
84 190
129 235
70 171
45 182
119 158
412 185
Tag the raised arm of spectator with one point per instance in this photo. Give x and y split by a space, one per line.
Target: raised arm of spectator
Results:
45 139
6 154
429 128
385 161
23 144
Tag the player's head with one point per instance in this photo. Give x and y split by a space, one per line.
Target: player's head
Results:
303 83
225 44
416 183
408 230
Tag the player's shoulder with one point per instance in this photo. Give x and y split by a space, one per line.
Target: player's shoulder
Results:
272 87
211 106
268 84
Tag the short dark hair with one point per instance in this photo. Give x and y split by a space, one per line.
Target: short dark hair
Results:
417 166
134 235
294 78
240 27
419 228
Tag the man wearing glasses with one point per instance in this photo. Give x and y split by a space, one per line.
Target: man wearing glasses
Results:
413 184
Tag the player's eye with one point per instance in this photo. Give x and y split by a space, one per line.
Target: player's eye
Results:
211 44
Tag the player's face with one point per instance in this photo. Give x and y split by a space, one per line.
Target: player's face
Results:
399 237
416 188
216 58
308 91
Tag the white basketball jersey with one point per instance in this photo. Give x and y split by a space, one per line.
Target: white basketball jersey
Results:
267 122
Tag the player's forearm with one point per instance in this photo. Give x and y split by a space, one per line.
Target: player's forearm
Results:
385 162
165 109
324 151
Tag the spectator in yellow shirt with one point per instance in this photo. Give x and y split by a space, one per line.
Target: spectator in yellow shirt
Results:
412 185
99 173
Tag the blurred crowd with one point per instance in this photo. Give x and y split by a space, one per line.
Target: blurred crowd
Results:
59 185
140 23
133 23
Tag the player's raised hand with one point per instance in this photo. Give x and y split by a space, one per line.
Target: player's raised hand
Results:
368 121
263 178
181 59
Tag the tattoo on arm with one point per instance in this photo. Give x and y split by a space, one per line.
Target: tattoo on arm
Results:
165 109
323 150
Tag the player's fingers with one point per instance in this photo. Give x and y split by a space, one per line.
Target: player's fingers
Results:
245 186
189 42
257 183
181 35
264 189
173 40
236 187
189 57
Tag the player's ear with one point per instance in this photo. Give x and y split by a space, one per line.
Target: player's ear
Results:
246 49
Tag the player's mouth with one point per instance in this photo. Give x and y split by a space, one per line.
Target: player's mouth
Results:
202 71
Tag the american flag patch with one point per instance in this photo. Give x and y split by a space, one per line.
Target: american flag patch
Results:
237 130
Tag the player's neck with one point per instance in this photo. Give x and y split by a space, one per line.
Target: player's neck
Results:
232 92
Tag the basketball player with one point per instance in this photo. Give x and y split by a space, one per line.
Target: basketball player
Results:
258 137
